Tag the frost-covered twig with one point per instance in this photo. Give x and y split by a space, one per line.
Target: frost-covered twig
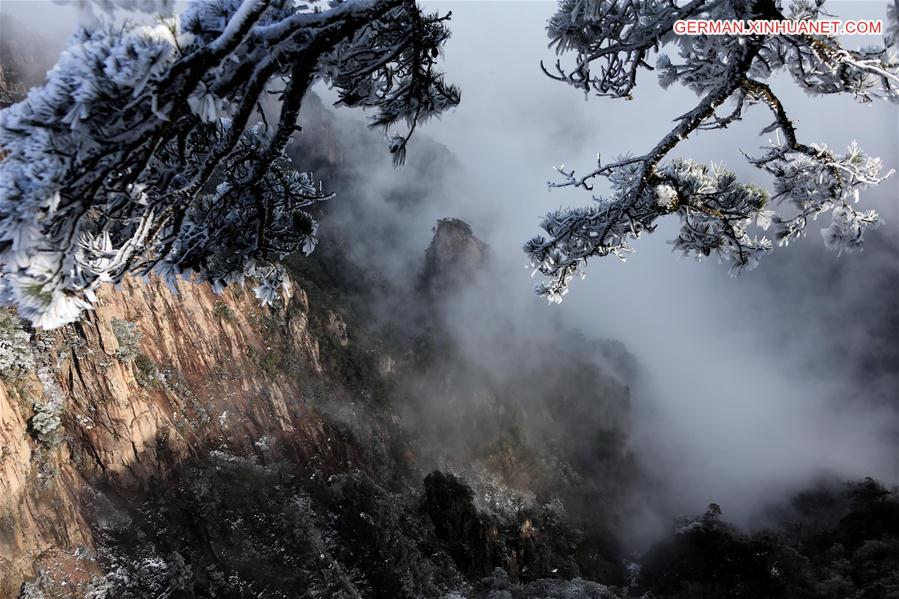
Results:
143 152
615 37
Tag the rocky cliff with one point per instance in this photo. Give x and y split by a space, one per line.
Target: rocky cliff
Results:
454 256
148 381
178 443
170 413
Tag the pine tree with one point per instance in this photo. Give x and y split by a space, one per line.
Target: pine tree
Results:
147 150
612 41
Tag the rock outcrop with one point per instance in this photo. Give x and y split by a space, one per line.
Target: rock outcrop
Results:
453 258
149 380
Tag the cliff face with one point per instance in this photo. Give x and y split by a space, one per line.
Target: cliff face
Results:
193 445
147 381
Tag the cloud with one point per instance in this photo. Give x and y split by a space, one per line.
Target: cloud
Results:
753 386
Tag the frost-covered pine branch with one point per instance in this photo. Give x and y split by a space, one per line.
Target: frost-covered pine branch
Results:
146 151
613 40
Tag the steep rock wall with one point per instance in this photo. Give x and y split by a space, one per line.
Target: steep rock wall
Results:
192 371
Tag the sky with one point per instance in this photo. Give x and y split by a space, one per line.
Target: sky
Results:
751 387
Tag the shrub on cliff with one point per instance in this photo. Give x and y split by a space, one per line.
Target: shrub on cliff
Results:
15 350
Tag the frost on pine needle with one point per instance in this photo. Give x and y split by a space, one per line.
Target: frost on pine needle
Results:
128 337
145 151
16 357
612 41
46 421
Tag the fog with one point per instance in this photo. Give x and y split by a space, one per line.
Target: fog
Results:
752 387
748 388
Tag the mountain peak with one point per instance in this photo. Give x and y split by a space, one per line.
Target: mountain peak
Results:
454 256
